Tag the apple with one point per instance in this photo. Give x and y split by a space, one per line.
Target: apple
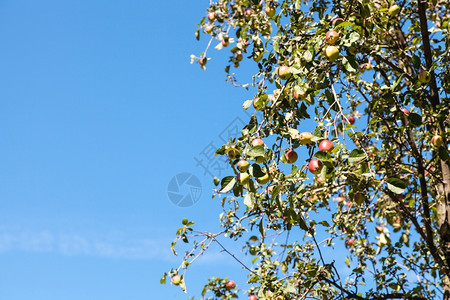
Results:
252 297
211 16
337 21
326 145
243 178
424 76
379 229
243 165
349 242
176 279
263 179
209 28
233 153
305 138
284 72
340 198
315 166
257 142
394 10
270 11
239 56
203 61
225 41
405 111
349 204
230 285
331 37
291 156
351 120
248 12
331 52
437 141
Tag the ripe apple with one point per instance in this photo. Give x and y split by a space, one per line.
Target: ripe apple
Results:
315 166
230 285
351 120
337 21
243 165
257 142
405 111
252 297
211 16
331 37
331 52
305 138
291 156
176 279
394 10
326 145
248 13
270 11
424 76
263 179
349 242
284 72
437 141
209 28
243 178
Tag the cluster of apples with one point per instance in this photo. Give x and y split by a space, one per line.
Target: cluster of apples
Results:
243 165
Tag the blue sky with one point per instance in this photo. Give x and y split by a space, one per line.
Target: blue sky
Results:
100 108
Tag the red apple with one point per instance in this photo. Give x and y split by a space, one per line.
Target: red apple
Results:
225 41
437 141
405 111
230 285
248 13
326 145
291 156
284 72
349 242
176 279
211 16
315 166
331 37
252 297
351 120
257 142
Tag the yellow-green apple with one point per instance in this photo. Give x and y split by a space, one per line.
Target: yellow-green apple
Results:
243 178
176 279
326 145
257 142
270 11
291 156
315 166
424 76
305 138
331 52
243 165
437 141
284 72
263 179
230 285
232 152
331 37
394 10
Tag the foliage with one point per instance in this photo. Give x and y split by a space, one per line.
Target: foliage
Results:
382 193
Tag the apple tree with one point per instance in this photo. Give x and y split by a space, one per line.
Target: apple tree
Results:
346 150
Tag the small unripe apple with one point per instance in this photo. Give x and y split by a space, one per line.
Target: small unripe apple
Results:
176 279
394 10
315 166
349 242
233 153
337 21
437 141
331 37
252 297
263 179
270 11
211 16
305 138
332 52
405 111
284 72
291 156
243 165
230 285
424 76
243 178
351 120
326 145
257 142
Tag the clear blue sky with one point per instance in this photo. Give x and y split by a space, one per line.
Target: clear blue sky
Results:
100 108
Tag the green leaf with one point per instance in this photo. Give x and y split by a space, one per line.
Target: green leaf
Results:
350 64
322 155
256 151
415 119
227 183
356 155
396 185
443 153
248 200
247 104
